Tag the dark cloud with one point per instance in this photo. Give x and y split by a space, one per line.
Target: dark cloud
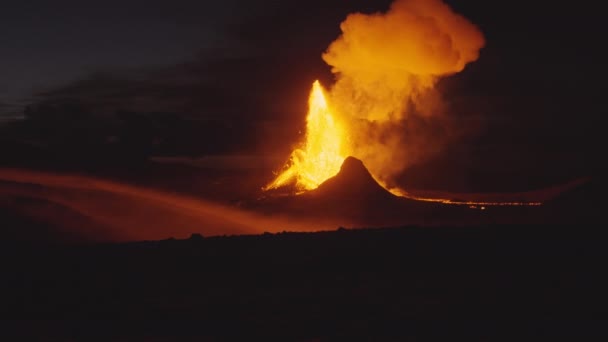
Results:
50 43
240 104
10 111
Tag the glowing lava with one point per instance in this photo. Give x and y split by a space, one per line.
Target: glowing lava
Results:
322 152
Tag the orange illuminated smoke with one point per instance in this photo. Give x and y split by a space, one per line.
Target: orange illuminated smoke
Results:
320 156
386 66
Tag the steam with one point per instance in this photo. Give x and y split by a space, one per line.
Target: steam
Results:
386 67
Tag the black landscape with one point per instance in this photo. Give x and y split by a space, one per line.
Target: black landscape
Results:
496 283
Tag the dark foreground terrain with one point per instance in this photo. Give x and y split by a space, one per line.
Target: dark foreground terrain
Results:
491 283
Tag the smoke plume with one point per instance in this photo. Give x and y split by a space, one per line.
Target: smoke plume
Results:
386 67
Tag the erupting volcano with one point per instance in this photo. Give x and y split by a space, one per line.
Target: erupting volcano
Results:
322 153
386 67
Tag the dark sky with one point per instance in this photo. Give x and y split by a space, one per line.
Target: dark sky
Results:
47 43
540 77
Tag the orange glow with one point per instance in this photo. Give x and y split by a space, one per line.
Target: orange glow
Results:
470 203
386 66
320 156
111 211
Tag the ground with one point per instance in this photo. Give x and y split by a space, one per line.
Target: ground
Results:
489 283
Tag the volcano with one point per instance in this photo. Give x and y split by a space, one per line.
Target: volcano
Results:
352 197
353 181
354 193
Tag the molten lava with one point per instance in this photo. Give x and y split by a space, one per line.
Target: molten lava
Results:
321 154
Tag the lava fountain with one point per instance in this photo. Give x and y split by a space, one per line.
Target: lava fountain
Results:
322 153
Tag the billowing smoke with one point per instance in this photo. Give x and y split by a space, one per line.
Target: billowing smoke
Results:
386 67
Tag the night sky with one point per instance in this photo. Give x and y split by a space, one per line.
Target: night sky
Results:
535 96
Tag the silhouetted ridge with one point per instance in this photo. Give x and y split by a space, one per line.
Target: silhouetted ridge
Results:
353 198
354 167
353 180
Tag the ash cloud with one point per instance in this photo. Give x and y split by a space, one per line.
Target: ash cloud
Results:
387 66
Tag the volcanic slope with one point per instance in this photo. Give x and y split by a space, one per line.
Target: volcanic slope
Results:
353 197
353 182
